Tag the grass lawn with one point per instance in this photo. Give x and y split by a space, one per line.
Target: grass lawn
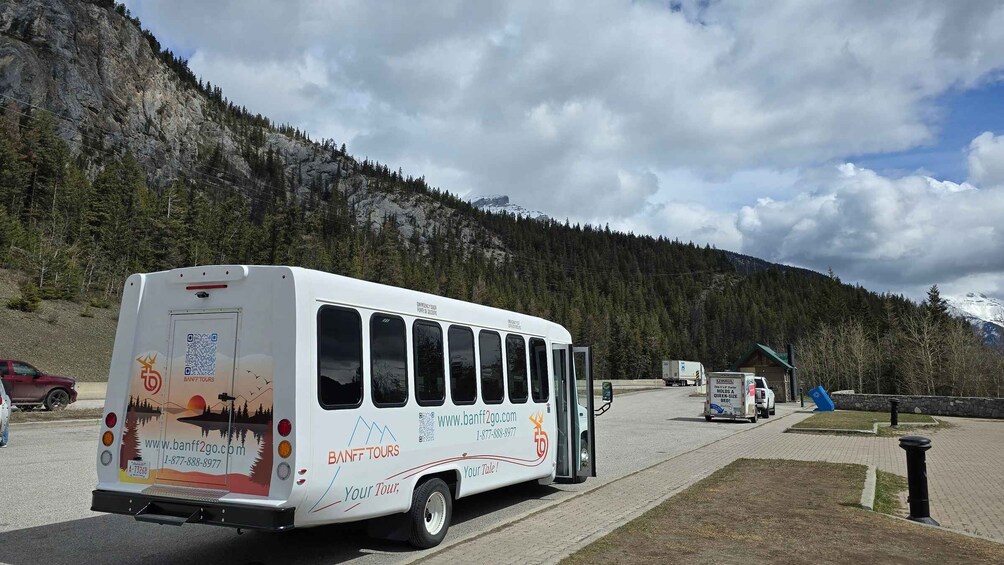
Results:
40 415
852 420
887 489
808 514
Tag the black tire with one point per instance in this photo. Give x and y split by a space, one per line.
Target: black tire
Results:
667 383
753 419
432 492
57 399
773 410
707 418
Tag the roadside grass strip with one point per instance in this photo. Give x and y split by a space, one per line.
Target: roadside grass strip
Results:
40 415
853 422
780 511
887 489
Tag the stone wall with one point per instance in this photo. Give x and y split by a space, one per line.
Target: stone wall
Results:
973 407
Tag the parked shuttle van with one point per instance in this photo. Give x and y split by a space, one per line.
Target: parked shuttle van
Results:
278 397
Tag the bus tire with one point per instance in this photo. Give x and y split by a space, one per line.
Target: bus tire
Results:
430 514
707 418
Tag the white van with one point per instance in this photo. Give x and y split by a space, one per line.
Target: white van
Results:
277 397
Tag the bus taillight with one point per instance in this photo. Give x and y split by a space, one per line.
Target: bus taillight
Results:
285 427
285 449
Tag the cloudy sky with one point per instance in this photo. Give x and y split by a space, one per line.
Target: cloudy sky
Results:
863 136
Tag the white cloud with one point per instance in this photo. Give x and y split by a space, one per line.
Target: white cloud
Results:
657 119
986 160
521 94
900 234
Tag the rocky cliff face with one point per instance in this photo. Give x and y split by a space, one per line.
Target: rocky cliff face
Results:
94 69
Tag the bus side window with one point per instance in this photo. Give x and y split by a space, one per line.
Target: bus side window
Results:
515 353
538 370
339 358
463 375
430 373
490 346
388 361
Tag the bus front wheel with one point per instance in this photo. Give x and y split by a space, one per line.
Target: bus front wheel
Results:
430 514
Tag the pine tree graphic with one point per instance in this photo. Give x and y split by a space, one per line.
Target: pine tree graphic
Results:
130 441
261 470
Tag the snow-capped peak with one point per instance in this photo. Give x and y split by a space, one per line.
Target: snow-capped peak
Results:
499 203
985 313
977 305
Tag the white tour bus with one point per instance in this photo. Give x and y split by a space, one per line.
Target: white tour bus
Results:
278 397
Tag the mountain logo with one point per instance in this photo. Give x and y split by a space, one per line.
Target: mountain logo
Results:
379 443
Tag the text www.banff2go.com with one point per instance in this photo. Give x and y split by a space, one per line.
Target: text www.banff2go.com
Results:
194 446
479 418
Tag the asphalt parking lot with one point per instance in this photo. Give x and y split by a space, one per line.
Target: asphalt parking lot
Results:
48 472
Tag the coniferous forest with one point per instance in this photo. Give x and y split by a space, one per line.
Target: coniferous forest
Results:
77 222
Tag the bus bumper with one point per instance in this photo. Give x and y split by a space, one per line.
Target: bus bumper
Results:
175 512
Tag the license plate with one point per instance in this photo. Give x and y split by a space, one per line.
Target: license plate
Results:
138 469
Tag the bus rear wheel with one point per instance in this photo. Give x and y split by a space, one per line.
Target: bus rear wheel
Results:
430 514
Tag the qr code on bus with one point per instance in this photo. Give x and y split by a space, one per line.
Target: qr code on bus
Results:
426 426
200 357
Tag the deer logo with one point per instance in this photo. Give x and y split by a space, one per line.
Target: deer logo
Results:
539 435
152 380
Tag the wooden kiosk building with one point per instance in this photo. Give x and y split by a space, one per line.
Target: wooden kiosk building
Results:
765 362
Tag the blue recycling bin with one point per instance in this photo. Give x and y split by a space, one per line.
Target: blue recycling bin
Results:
823 401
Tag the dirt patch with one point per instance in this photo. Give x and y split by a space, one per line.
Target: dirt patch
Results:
808 513
56 338
39 415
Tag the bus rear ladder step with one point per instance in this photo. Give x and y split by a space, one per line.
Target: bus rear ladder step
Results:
152 513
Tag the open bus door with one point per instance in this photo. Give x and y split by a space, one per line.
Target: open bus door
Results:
573 397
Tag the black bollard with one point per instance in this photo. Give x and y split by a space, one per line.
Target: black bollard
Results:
916 475
893 412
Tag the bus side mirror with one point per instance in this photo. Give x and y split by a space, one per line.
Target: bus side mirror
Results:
608 392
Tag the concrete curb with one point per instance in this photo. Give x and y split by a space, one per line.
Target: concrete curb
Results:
868 494
430 553
942 528
873 431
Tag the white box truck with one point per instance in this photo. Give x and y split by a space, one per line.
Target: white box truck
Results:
682 373
732 396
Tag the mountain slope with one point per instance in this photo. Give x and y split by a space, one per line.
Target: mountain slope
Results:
112 89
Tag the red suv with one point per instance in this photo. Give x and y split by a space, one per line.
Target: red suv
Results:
27 386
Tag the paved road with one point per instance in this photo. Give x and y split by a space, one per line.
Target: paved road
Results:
47 473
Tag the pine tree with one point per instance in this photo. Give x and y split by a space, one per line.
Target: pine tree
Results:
936 306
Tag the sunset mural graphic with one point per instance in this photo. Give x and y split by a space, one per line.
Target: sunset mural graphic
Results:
190 438
197 403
